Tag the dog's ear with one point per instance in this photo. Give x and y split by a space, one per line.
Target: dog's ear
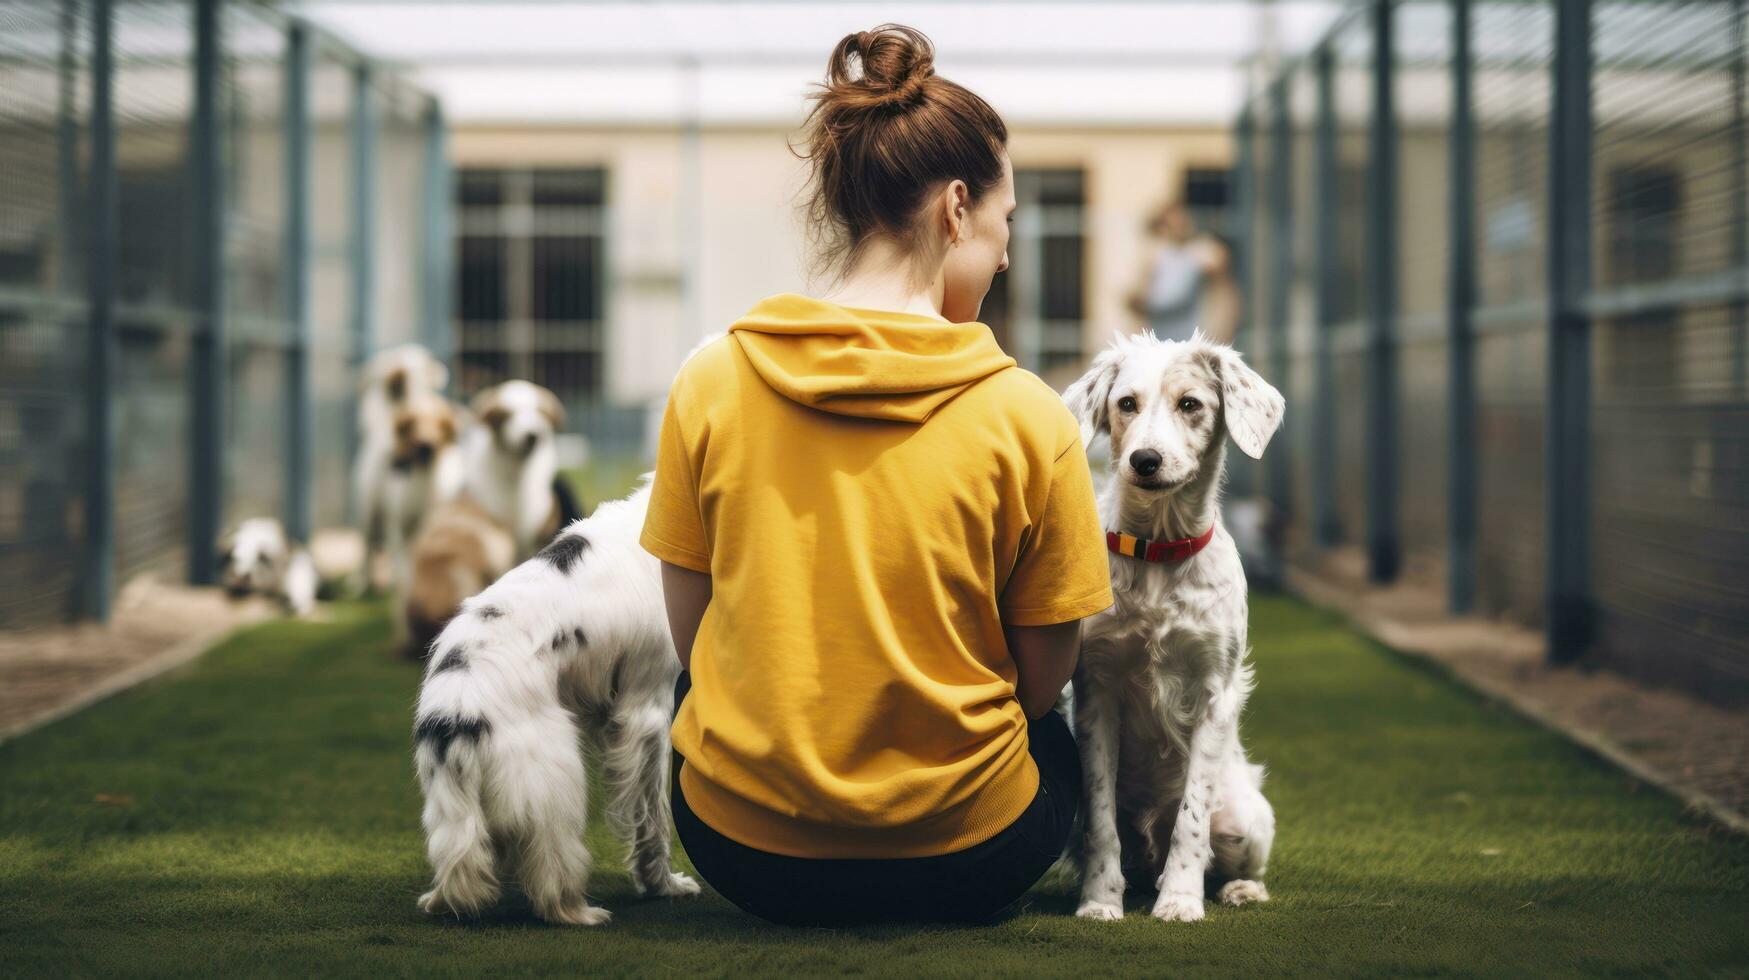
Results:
552 408
1089 396
1251 407
436 373
482 404
451 421
396 383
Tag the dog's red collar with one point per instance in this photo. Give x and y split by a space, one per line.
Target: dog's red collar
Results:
1131 546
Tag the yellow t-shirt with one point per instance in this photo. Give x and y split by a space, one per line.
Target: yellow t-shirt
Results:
874 495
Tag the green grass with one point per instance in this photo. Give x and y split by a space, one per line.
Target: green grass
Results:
262 818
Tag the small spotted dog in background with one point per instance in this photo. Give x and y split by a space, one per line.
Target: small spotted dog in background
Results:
1163 675
259 558
575 637
394 377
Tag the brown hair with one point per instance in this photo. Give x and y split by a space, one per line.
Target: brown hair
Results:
879 141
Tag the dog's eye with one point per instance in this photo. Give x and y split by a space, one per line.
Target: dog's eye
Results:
1127 403
1188 404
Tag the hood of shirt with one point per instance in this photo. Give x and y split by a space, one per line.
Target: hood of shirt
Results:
876 364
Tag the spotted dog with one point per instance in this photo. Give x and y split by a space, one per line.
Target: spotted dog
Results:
573 639
1163 675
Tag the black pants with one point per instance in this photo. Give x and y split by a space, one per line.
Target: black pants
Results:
966 886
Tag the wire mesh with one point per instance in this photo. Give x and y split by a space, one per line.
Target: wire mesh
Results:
1670 428
253 86
1669 416
45 136
44 53
1422 80
154 84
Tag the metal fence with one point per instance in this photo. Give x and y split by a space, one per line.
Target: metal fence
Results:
1498 262
209 214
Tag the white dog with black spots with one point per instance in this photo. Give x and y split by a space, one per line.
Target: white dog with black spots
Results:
1163 675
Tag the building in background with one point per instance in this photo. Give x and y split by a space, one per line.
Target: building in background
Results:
572 249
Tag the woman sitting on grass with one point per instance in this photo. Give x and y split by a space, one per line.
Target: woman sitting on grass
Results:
878 539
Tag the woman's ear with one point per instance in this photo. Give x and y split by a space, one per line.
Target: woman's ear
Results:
1250 406
1089 396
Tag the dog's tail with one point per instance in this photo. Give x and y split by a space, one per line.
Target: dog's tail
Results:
449 733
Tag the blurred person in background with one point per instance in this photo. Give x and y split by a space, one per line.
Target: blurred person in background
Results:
1187 282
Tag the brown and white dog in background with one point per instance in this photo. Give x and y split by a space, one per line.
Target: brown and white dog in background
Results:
513 463
426 470
512 504
461 550
393 378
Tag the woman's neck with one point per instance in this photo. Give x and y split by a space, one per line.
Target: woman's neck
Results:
882 279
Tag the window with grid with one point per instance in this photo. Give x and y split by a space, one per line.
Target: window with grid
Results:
1037 308
530 267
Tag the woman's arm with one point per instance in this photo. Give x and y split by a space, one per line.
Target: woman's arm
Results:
685 593
1045 658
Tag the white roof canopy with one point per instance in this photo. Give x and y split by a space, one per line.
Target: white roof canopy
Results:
1167 62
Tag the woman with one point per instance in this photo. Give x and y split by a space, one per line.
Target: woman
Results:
878 538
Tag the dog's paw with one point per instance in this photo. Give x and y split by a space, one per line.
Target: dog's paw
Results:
431 903
675 885
1178 907
1099 911
1242 892
578 914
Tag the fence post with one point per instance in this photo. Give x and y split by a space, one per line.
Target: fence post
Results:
1241 481
1383 554
1326 517
435 262
362 246
99 556
299 460
1460 337
1567 496
1740 187
1278 470
208 362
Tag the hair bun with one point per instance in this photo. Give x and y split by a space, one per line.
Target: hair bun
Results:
894 62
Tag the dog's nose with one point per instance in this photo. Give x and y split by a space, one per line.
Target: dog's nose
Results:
1145 461
528 443
424 452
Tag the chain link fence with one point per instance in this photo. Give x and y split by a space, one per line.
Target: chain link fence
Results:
183 287
1498 262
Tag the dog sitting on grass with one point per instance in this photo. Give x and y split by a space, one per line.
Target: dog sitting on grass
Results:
259 558
1163 675
574 638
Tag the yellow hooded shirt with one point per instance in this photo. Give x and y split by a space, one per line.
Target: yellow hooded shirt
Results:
874 495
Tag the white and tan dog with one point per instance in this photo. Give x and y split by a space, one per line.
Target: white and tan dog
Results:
391 379
426 470
1163 675
576 638
259 558
513 467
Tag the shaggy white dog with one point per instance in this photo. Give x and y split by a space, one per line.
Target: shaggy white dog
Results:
1163 676
513 462
574 637
259 558
393 378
